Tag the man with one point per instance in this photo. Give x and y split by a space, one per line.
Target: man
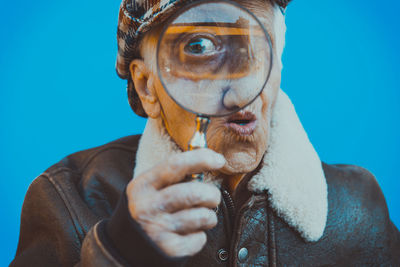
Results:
267 200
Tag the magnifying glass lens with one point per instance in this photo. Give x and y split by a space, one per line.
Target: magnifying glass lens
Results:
214 58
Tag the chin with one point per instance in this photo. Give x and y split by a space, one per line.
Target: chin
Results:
240 163
242 138
243 154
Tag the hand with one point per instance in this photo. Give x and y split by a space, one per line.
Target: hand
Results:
175 215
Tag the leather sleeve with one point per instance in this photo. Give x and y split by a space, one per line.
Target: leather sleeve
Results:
47 234
120 241
378 239
51 236
395 244
385 237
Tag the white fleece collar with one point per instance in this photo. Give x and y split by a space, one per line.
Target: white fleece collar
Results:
291 171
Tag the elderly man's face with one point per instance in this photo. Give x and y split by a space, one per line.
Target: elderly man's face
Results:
242 143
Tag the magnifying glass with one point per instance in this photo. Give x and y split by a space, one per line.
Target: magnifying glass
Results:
213 58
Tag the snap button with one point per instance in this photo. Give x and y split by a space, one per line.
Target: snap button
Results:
243 254
223 254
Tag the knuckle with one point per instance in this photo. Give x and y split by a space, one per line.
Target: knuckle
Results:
139 206
189 201
175 225
208 217
203 193
132 190
174 164
142 217
171 165
196 197
130 187
175 161
155 226
156 203
140 184
134 209
144 207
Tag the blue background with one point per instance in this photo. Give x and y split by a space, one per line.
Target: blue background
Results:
60 93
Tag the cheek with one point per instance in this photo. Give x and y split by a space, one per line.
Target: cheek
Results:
179 123
262 133
268 97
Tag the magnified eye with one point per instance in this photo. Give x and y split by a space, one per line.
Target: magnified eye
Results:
200 46
199 52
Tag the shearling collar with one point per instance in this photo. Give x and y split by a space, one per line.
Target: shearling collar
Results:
291 170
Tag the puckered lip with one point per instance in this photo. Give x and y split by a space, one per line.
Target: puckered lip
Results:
242 123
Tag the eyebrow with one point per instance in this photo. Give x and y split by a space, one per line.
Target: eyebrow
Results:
217 30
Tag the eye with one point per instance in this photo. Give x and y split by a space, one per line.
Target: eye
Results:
200 46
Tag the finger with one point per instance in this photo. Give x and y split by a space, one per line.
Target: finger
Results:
176 245
178 166
193 220
188 195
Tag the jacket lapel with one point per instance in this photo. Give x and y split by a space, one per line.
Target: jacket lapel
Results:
291 170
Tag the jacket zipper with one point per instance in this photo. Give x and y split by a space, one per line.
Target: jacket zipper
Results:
229 205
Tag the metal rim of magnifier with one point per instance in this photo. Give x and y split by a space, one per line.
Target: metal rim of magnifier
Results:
177 14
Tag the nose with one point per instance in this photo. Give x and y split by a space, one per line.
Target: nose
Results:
236 98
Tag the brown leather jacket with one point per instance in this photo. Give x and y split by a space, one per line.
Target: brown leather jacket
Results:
75 213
